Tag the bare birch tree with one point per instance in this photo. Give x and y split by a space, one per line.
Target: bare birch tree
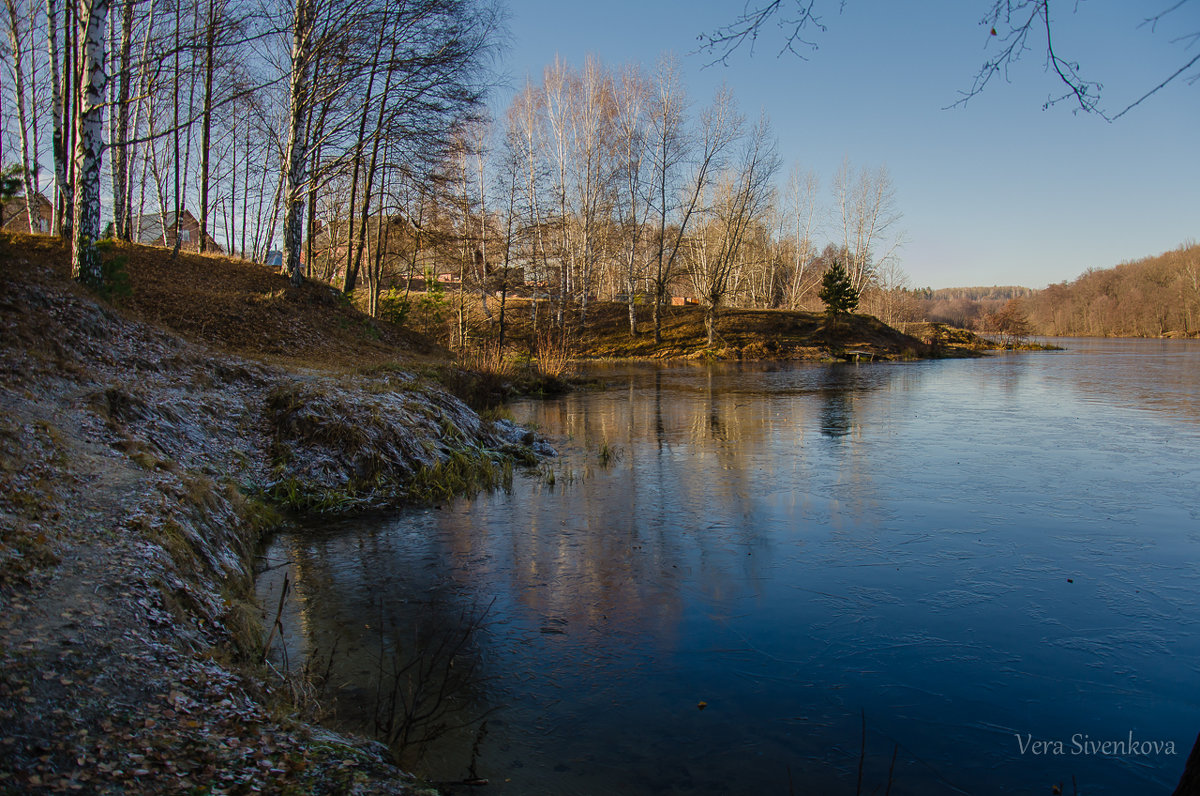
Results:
20 41
591 124
866 206
523 140
632 136
718 130
742 200
801 207
58 117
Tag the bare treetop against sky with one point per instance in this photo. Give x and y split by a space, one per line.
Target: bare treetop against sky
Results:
1000 191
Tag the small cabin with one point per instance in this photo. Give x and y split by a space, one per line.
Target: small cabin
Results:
14 216
158 229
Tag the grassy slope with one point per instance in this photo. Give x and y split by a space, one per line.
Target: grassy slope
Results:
251 310
241 308
750 334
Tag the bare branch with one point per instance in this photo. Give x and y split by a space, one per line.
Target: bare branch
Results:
724 41
1154 90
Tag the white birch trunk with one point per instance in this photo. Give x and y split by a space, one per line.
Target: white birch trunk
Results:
22 122
90 143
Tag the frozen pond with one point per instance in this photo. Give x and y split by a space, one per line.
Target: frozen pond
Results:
967 556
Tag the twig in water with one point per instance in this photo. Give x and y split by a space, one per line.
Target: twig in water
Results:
277 624
479 736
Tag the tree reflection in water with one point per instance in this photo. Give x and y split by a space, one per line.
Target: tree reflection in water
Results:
795 546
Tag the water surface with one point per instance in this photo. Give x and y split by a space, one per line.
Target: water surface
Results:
963 556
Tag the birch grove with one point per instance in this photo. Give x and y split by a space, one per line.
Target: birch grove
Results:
234 114
307 134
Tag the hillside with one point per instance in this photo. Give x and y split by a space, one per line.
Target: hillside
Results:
238 307
140 466
1153 297
251 310
746 334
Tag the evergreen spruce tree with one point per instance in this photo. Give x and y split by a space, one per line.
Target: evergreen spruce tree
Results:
837 291
12 181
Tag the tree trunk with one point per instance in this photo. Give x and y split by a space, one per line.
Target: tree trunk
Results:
210 43
310 236
352 269
246 193
482 271
122 226
315 131
353 255
176 160
297 147
56 113
86 265
128 232
22 122
660 275
382 234
71 76
181 172
233 191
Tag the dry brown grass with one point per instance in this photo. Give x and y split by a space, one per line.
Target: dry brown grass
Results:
743 334
236 306
251 310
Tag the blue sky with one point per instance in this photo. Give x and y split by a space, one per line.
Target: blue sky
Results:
998 192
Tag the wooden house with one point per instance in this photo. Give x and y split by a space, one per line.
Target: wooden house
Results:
14 215
158 229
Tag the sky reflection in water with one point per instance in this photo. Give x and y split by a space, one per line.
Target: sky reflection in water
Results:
960 552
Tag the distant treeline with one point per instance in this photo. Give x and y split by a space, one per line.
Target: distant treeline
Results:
966 307
1153 297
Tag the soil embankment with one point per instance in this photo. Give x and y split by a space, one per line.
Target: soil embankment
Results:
143 451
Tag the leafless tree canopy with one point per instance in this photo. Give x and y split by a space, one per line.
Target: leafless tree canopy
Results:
225 124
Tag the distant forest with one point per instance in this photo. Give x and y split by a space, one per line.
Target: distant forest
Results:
965 307
1152 297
